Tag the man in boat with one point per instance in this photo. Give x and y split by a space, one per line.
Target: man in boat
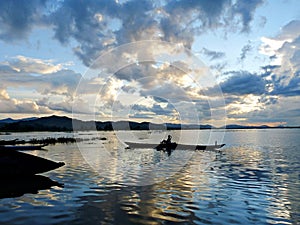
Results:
168 141
166 145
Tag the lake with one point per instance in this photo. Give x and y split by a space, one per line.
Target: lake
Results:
255 179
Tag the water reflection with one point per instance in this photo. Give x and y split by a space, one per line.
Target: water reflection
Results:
266 175
172 200
17 186
254 180
132 166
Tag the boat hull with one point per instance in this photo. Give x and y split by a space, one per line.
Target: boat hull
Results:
15 163
173 146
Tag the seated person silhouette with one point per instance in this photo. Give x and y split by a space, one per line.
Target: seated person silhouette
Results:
168 141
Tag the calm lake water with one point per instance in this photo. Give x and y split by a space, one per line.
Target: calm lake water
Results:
254 180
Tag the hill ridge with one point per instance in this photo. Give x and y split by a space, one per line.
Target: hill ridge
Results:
64 123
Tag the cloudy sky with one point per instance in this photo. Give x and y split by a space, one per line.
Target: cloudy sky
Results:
184 61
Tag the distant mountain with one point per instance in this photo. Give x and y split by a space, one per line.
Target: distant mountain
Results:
28 119
63 123
235 126
10 120
52 123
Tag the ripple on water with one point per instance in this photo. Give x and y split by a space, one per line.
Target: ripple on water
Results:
252 181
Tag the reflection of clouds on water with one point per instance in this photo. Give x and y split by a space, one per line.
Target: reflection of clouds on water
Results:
263 171
253 180
132 166
111 158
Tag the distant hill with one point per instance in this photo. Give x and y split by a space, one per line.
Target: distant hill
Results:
10 120
52 123
63 123
235 126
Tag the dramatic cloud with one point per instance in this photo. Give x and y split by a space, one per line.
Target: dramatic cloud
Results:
41 81
100 25
292 88
23 107
243 83
18 17
284 71
273 94
285 111
13 105
151 80
63 82
274 90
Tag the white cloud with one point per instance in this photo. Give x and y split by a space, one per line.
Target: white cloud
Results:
32 65
285 111
270 47
3 94
22 106
284 50
24 92
63 82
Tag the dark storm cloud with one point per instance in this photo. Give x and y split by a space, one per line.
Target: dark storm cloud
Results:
266 84
292 88
100 25
268 69
243 83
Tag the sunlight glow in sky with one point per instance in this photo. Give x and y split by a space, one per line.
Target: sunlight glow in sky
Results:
252 49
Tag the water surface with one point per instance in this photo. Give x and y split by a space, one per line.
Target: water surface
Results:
254 180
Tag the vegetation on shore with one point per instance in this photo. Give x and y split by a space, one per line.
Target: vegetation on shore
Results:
48 141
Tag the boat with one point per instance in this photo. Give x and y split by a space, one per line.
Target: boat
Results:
15 163
22 147
173 146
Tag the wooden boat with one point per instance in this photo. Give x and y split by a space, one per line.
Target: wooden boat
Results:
173 146
22 147
15 163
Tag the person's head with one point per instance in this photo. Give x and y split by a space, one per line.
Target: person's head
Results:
169 136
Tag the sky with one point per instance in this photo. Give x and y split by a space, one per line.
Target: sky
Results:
186 61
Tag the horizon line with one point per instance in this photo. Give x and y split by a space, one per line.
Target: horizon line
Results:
181 124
